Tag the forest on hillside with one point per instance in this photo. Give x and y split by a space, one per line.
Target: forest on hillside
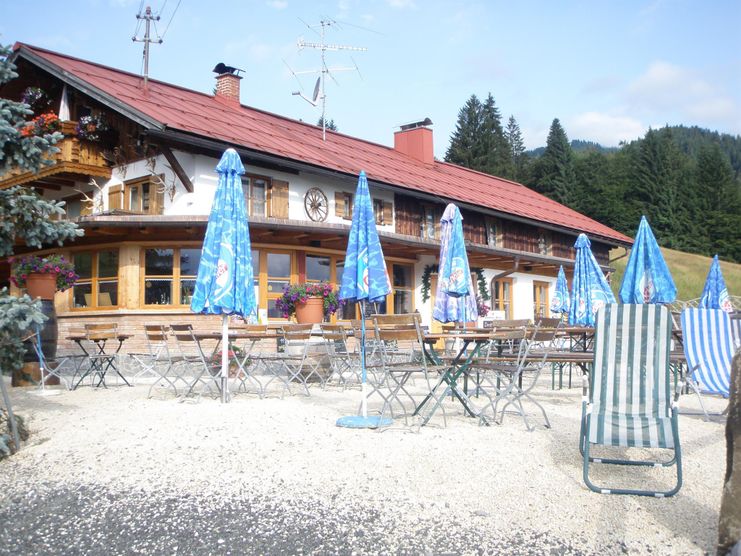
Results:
685 180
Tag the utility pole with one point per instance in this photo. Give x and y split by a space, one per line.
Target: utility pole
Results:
148 18
324 71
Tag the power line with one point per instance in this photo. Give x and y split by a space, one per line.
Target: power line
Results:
172 16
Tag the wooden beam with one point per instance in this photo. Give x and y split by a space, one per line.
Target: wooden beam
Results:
508 272
177 168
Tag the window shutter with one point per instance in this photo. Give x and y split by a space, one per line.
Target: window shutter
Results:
388 213
339 204
115 197
157 198
279 199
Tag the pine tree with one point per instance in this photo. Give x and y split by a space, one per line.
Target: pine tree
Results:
465 145
23 215
330 124
516 150
554 174
494 146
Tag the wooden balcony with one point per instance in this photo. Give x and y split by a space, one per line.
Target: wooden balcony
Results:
76 161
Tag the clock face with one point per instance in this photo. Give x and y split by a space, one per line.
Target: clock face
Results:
315 204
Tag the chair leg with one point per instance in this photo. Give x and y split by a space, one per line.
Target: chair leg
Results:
584 446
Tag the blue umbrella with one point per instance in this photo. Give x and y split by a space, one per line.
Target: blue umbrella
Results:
225 278
455 300
647 278
561 301
715 293
589 289
364 278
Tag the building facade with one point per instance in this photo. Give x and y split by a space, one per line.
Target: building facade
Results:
141 184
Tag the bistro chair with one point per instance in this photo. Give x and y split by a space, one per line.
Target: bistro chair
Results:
344 366
194 367
402 359
709 345
158 361
300 361
627 400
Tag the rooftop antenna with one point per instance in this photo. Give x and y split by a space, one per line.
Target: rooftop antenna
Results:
324 71
148 18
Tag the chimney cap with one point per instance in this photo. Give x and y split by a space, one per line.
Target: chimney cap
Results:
221 68
415 125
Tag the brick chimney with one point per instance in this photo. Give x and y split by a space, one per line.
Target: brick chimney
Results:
415 140
227 83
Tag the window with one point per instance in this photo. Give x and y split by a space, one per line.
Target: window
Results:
318 268
255 194
491 232
541 306
170 275
542 242
141 195
378 211
347 206
98 283
502 296
403 288
429 223
278 266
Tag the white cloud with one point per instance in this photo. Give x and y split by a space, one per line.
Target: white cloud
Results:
606 129
278 4
681 95
401 4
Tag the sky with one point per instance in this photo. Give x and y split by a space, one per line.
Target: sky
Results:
607 70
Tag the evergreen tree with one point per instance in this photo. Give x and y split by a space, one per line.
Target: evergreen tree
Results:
494 146
465 145
554 172
516 150
329 125
23 215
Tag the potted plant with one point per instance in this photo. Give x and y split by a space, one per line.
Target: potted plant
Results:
310 302
50 274
44 124
92 128
36 98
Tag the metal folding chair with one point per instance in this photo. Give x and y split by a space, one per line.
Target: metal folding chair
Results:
344 366
194 366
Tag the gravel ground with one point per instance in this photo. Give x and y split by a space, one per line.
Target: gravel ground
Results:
112 472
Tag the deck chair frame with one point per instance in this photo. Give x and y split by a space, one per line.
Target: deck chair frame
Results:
627 400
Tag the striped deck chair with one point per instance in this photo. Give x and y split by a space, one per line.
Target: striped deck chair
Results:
627 399
709 345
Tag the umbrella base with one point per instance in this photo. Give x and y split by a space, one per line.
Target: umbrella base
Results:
360 422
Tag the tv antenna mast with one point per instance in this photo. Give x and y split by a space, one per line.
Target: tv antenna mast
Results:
319 94
148 18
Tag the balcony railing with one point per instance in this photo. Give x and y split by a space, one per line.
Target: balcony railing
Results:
76 160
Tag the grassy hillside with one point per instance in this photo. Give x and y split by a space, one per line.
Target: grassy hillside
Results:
689 273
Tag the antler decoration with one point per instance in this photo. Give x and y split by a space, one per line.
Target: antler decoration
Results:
94 203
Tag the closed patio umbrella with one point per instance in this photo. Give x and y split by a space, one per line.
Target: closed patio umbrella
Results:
561 300
224 285
455 299
589 288
647 278
715 293
364 278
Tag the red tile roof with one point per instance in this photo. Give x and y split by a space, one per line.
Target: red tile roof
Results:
198 113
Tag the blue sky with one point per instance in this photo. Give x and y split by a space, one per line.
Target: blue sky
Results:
607 70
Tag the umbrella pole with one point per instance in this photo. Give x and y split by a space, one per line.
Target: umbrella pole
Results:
364 401
224 358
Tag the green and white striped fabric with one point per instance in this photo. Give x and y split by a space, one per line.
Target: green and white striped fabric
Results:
631 378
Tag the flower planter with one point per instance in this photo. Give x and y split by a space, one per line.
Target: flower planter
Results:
41 284
311 312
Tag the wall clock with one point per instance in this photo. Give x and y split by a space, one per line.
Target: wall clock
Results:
315 204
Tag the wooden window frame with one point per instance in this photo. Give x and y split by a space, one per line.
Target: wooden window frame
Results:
95 281
538 302
248 181
497 305
429 210
391 297
175 277
155 197
378 211
265 295
348 206
493 239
